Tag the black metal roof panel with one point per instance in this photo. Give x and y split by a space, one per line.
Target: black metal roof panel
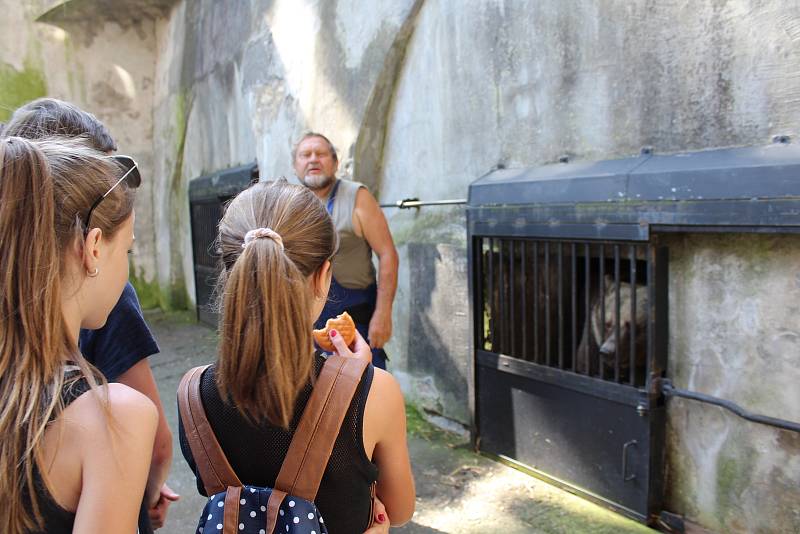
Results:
751 189
222 184
763 172
596 181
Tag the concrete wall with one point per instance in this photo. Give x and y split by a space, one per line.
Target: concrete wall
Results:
519 83
735 334
421 97
239 81
104 61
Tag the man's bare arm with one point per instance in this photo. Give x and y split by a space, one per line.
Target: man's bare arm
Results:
370 223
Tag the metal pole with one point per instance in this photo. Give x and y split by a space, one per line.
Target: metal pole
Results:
408 203
671 391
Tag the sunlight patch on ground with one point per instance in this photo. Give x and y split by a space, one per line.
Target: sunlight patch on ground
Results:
460 491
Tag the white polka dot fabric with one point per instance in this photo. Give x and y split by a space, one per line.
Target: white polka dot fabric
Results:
296 516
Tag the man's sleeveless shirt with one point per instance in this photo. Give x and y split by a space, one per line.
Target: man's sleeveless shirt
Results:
352 265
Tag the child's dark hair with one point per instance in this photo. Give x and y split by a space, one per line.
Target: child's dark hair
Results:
46 117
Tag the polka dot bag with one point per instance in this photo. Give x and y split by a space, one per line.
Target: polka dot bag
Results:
295 515
288 508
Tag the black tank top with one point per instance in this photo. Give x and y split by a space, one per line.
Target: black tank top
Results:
256 453
57 520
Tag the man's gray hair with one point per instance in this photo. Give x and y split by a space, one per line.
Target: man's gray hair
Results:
309 134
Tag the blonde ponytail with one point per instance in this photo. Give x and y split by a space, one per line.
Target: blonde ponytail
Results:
266 348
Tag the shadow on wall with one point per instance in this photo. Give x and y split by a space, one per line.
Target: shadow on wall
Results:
438 328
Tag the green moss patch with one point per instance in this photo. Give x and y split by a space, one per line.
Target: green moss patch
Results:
734 475
436 225
19 87
422 428
151 295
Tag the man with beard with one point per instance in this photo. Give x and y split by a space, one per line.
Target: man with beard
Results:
362 229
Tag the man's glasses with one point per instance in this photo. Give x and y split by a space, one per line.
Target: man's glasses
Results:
131 177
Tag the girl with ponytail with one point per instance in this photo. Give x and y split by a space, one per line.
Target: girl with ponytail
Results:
74 454
276 241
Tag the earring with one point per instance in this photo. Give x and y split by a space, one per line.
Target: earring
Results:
93 273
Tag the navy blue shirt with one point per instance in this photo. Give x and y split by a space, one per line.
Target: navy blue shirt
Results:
123 342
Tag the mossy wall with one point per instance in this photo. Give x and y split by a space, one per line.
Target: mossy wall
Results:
734 334
520 83
18 87
103 60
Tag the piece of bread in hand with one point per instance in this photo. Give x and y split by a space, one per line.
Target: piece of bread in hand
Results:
343 324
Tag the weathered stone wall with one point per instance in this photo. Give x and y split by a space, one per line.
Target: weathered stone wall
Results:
520 83
735 334
21 65
239 81
104 61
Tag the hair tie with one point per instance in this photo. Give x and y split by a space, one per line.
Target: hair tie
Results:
259 233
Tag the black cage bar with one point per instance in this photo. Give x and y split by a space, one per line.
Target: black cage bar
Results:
570 349
527 294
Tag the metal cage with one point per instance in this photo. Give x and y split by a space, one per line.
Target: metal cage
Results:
578 306
568 298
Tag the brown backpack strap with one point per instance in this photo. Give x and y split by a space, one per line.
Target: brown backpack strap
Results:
230 517
273 507
313 441
215 471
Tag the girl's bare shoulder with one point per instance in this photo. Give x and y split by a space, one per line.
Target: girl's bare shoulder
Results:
127 409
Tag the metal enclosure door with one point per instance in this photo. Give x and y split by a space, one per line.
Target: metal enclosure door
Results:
205 216
570 339
208 196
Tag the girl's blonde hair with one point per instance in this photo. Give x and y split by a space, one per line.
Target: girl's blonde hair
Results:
266 347
46 188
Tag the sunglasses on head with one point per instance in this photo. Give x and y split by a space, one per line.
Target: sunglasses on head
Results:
131 177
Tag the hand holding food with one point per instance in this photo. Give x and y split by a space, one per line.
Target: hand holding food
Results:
343 324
